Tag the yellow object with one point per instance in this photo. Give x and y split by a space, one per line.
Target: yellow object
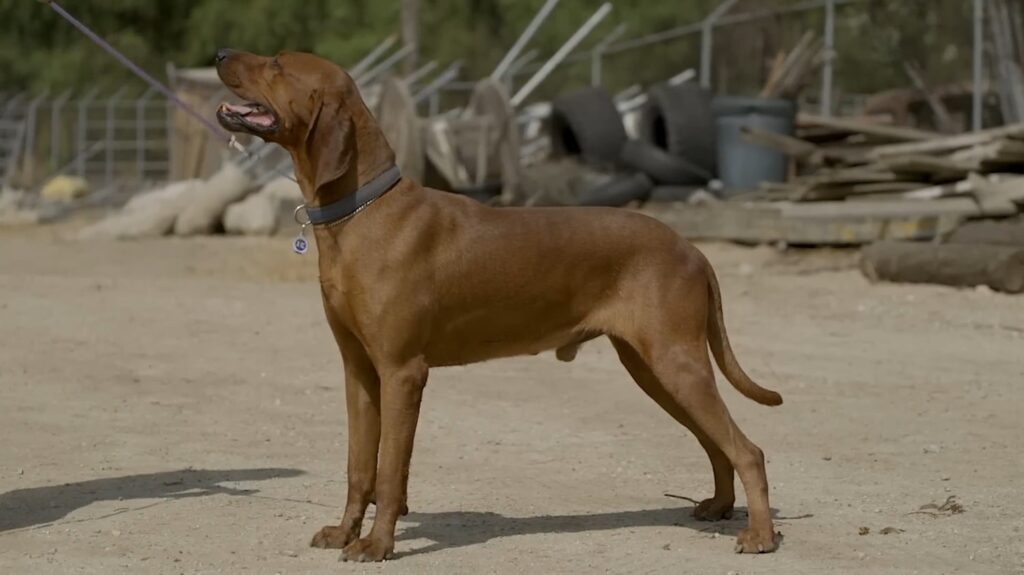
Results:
64 189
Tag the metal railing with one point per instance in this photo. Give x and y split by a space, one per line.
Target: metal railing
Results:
106 139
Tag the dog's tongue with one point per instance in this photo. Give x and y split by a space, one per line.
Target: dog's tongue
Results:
250 113
262 119
240 109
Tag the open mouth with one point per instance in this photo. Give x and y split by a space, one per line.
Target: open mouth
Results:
252 117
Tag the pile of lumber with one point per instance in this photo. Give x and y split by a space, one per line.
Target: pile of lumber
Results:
847 160
860 180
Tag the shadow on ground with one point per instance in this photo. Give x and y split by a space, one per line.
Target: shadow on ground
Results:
460 529
37 506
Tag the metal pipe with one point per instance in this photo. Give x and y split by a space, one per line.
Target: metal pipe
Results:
979 63
597 54
420 73
562 52
522 62
55 126
688 29
108 168
372 57
520 43
706 48
83 126
517 67
30 135
437 83
682 77
140 134
388 63
826 71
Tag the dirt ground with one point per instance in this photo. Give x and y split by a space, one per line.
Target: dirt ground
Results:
177 407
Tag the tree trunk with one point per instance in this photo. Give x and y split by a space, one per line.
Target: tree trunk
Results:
996 233
964 265
411 32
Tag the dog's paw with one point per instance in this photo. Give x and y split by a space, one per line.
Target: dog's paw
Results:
713 510
368 550
757 541
334 537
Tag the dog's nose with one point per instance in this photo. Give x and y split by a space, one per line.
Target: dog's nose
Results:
223 54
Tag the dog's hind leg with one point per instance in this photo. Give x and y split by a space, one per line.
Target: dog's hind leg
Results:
677 373
721 504
362 397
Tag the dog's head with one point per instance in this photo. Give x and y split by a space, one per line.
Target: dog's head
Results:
304 103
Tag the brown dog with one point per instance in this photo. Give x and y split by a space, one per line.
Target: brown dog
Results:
422 278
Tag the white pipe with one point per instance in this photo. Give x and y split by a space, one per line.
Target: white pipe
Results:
528 33
562 52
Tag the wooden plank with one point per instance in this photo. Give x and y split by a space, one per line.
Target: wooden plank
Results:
850 191
998 198
868 128
931 167
1006 151
792 147
942 116
947 144
966 207
759 224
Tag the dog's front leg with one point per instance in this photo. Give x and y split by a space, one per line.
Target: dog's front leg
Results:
401 393
362 395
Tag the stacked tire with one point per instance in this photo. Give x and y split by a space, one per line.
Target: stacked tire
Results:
676 144
586 124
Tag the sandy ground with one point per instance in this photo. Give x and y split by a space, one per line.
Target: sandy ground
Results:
177 407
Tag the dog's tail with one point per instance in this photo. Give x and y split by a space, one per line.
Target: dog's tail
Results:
718 340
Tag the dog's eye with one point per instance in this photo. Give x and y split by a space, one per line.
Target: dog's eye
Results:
275 64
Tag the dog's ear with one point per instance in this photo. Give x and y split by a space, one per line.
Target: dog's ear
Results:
329 143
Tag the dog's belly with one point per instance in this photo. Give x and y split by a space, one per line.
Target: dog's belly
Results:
477 338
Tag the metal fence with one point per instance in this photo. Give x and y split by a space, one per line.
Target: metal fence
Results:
107 139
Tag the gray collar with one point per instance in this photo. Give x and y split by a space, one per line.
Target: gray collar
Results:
352 204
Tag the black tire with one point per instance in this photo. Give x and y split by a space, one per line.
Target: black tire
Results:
618 192
665 194
679 119
662 166
586 123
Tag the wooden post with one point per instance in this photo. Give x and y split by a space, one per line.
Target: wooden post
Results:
411 32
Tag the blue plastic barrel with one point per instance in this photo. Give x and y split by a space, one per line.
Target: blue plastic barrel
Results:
742 166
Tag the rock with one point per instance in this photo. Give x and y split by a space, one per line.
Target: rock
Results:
262 213
10 199
702 197
64 189
160 196
205 210
11 212
147 215
253 216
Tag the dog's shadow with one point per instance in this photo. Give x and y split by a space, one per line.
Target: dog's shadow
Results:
460 529
41 506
